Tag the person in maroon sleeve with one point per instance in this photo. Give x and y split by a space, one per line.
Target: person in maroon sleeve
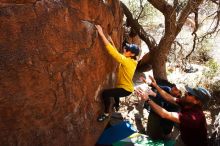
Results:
191 119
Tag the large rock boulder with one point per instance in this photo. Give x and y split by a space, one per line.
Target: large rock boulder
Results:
53 67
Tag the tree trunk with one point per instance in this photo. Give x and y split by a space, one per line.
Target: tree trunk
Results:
159 65
157 58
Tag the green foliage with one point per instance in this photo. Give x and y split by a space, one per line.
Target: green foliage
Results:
213 69
202 52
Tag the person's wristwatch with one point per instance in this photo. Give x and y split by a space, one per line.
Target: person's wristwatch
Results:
148 100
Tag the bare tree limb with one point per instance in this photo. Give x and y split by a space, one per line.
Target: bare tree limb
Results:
172 51
170 20
196 21
147 38
160 5
176 3
215 29
216 24
215 1
189 8
179 44
194 33
194 46
142 9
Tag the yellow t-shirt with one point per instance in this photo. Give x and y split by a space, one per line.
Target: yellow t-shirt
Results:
126 69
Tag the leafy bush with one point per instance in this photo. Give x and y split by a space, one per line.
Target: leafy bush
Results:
213 69
202 53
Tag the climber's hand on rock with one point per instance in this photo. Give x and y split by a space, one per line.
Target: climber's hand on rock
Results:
99 28
101 33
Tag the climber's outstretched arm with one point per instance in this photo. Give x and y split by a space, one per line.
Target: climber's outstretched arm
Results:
111 41
110 47
100 31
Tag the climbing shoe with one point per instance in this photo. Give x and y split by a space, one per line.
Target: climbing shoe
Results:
102 118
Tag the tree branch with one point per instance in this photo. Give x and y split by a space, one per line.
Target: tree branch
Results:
189 8
194 33
196 19
216 2
147 38
217 22
175 3
142 9
194 46
160 5
169 14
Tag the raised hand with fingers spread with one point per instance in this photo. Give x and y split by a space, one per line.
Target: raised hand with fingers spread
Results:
153 81
139 92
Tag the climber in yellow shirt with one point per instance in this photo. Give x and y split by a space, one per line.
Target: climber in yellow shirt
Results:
126 69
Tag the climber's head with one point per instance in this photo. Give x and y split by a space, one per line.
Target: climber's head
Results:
131 50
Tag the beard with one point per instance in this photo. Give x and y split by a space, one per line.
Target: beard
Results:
184 103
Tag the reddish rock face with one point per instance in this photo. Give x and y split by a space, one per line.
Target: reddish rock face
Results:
53 67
